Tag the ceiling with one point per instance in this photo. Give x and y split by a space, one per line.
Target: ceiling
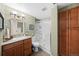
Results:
61 5
39 10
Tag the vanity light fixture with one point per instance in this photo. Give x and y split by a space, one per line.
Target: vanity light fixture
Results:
14 12
22 16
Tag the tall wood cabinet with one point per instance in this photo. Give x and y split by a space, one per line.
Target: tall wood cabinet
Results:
68 32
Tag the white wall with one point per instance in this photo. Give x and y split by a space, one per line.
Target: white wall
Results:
42 35
45 29
38 34
54 33
48 44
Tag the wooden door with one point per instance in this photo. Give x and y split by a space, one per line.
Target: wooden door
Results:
69 32
63 32
73 32
73 17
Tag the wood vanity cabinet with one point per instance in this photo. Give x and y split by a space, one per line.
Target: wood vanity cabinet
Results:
28 47
20 48
8 52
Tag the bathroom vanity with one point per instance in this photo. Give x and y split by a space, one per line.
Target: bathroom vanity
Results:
17 47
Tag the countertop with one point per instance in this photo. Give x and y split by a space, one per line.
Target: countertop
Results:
15 40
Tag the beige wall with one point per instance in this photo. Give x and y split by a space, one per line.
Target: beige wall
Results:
5 10
1 39
1 31
54 33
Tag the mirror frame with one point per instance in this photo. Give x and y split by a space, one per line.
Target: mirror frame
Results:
2 21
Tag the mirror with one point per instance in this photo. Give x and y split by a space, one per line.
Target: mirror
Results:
16 27
20 27
1 21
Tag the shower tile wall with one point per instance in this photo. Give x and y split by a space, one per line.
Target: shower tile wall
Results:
42 34
38 33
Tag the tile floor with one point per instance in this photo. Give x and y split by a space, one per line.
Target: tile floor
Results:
40 53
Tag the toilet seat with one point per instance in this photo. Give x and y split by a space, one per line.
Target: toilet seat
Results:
36 44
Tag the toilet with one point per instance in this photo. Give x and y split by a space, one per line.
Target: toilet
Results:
35 46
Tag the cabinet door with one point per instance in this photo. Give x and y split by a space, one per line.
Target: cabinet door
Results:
73 42
74 17
13 49
74 32
68 32
9 52
27 43
63 32
27 47
19 50
28 51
